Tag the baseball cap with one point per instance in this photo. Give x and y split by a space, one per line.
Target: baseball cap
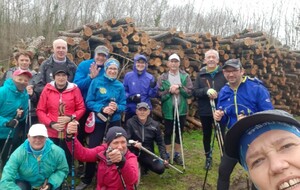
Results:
236 132
38 130
19 72
115 132
174 56
142 105
102 49
60 68
236 63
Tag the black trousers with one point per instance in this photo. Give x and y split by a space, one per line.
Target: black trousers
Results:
169 129
225 169
151 163
96 139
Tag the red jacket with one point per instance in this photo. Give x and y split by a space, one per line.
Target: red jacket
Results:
108 177
48 106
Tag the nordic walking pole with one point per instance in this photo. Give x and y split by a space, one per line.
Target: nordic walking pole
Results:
5 144
207 169
179 133
218 128
72 161
154 155
173 137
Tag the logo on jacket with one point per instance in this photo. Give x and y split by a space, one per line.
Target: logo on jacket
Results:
102 90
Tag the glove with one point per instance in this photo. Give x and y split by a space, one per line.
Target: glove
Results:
211 92
136 98
12 123
152 84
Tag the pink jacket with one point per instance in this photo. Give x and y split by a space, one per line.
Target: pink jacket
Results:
50 99
108 177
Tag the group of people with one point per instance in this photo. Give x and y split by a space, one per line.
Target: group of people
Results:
62 97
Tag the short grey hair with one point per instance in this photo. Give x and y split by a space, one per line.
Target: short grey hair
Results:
212 51
60 41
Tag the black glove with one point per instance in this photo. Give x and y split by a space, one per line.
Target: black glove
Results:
12 123
136 98
152 84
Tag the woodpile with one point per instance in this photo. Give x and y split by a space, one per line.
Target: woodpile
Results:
277 67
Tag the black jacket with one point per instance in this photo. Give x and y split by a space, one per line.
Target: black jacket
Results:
146 134
45 73
203 82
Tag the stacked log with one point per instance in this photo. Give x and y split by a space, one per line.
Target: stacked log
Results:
277 67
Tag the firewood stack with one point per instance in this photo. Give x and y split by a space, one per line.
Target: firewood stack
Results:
277 67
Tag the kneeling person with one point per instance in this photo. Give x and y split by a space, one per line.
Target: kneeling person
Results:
36 164
145 131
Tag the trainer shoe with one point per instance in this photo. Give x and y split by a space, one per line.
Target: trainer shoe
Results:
81 186
177 159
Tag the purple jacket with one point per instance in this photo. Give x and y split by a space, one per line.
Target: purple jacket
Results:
139 83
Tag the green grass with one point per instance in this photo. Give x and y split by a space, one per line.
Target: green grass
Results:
193 177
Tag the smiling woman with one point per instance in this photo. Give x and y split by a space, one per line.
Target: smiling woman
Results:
267 144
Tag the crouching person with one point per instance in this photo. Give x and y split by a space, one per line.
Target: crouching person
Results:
36 164
145 131
117 166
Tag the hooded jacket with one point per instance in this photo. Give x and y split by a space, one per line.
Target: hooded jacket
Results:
23 165
250 97
203 82
147 134
139 83
108 177
11 100
48 106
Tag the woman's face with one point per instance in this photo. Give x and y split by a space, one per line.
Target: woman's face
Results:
112 71
61 80
273 161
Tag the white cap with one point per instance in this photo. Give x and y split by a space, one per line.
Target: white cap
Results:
174 56
38 130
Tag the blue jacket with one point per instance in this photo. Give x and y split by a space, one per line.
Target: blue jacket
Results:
10 100
100 93
23 165
136 83
82 78
250 97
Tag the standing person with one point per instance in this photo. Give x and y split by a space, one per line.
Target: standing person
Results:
36 164
106 97
60 103
174 86
117 166
59 57
13 108
267 146
240 97
145 131
208 83
23 62
139 85
86 72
